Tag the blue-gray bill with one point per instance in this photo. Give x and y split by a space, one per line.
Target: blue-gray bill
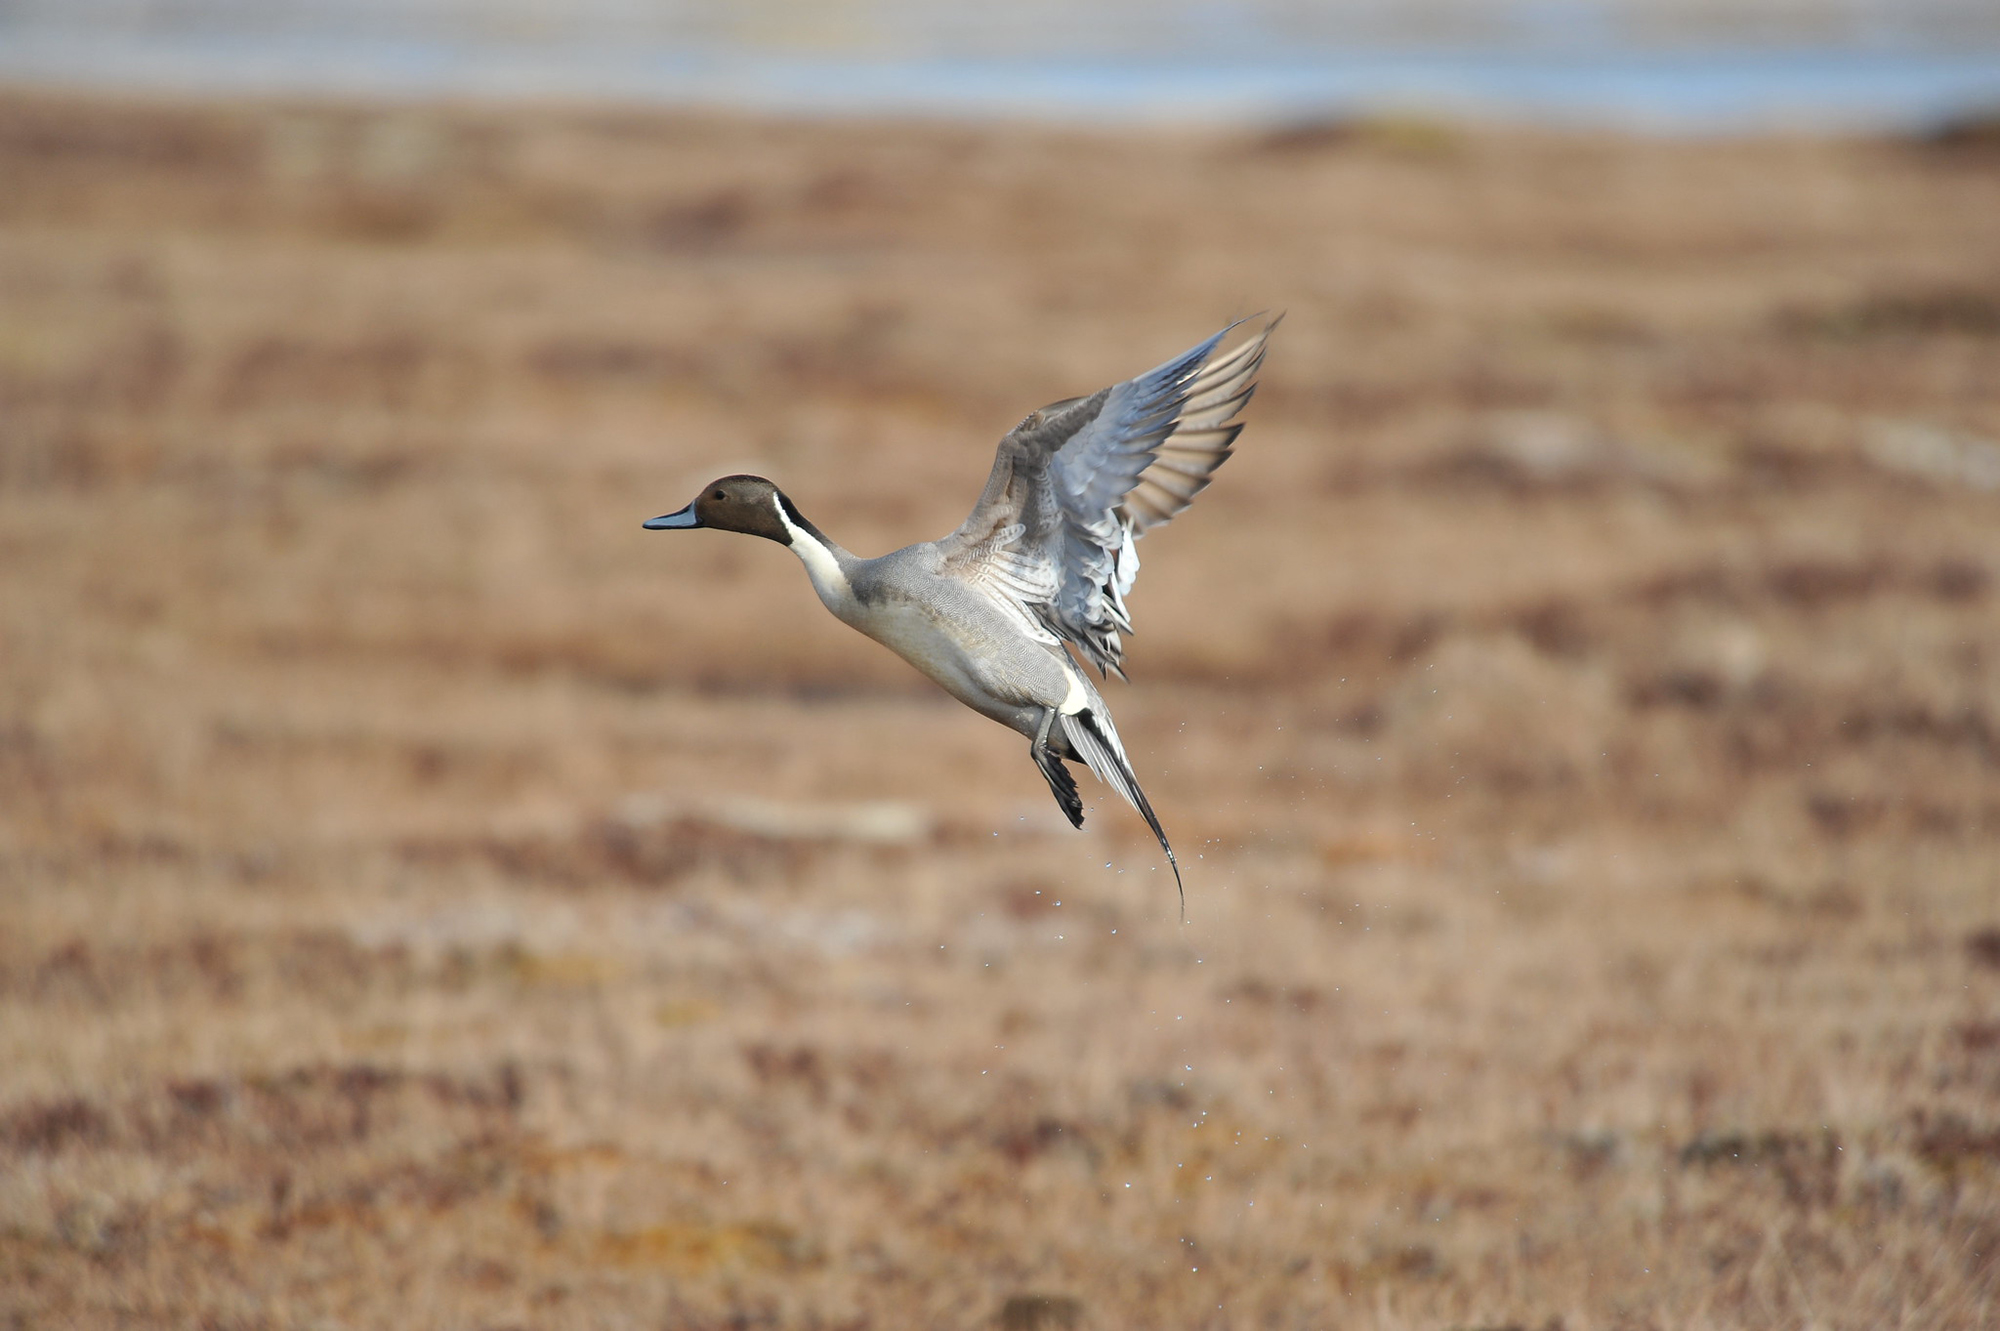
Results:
667 521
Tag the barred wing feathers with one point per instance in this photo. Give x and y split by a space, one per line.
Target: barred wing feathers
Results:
1078 482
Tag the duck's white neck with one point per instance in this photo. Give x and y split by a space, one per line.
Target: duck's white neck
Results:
822 559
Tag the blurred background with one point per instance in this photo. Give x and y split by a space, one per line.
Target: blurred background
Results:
1664 63
426 897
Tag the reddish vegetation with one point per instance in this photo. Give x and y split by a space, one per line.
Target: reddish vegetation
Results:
430 900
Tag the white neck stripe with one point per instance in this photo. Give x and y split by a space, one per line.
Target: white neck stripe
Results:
821 566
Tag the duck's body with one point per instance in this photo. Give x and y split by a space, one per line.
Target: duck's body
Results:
967 642
1042 565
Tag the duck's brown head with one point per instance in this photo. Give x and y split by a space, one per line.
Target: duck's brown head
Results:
734 503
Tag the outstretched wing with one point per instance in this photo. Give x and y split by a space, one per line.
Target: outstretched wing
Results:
1076 483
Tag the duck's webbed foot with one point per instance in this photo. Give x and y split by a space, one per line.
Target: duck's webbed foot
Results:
1061 784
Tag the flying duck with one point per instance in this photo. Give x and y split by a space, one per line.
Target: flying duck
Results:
997 612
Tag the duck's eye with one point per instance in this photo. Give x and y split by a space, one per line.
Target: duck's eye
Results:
718 495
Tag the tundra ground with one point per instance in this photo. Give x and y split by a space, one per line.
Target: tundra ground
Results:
429 900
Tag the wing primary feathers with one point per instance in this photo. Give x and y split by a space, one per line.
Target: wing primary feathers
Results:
1077 483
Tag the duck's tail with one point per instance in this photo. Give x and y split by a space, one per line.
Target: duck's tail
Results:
1091 734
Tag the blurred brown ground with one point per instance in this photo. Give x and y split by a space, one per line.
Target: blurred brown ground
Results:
430 900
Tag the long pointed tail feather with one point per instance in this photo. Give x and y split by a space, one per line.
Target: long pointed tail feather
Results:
1094 737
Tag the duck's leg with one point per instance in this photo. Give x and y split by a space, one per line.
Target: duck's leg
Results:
1061 784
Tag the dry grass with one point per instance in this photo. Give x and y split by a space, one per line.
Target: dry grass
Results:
1578 706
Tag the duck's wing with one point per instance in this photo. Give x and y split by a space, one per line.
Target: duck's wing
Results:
1076 483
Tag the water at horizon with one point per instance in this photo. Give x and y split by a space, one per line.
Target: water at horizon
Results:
1669 65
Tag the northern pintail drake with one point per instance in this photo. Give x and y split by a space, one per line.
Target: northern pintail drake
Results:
998 611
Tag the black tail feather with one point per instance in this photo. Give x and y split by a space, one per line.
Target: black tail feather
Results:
1111 766
1146 811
